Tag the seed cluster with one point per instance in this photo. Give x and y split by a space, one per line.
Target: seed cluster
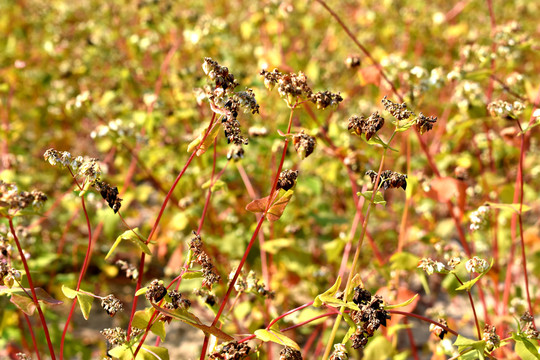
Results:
206 296
424 123
370 317
287 179
13 199
491 338
304 144
527 326
361 125
115 336
111 305
389 179
176 302
156 291
288 353
90 170
231 351
250 284
437 330
209 271
339 353
294 87
110 194
131 270
399 111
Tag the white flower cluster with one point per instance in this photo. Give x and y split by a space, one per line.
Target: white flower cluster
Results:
478 217
477 265
88 168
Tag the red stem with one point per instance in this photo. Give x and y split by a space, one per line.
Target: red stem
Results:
32 335
156 223
31 283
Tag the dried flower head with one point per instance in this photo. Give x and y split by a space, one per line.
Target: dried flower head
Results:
287 179
399 111
156 291
231 351
424 123
527 326
291 87
491 338
505 110
304 144
369 318
115 336
231 127
235 153
339 353
324 99
111 305
289 353
389 179
206 296
437 330
209 271
110 194
13 199
131 270
220 75
370 126
353 61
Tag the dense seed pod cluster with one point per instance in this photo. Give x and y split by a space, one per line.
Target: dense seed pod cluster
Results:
424 123
399 111
231 351
294 88
209 271
219 74
110 194
13 199
369 318
527 326
288 353
250 284
175 302
324 99
389 179
287 179
304 144
115 336
491 338
111 305
235 153
370 126
156 291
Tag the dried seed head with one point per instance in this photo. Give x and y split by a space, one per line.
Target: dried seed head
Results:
324 99
115 336
289 353
12 199
209 298
399 111
235 153
231 350
131 270
437 330
111 305
361 296
491 338
424 124
369 126
304 144
389 179
339 353
287 179
220 75
156 291
110 194
353 61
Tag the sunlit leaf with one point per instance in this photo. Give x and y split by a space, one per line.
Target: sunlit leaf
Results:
525 349
278 207
277 337
405 303
24 301
130 235
141 319
379 198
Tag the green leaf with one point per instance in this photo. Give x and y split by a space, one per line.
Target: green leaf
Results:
404 127
192 275
328 294
218 185
525 348
404 261
352 328
473 348
122 352
405 303
85 303
379 198
134 238
148 352
68 292
275 336
141 319
469 284
141 291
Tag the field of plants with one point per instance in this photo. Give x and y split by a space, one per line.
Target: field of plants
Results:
269 179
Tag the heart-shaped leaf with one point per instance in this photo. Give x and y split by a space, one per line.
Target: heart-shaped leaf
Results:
24 301
277 337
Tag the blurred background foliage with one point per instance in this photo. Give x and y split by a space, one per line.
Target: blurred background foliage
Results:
116 80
